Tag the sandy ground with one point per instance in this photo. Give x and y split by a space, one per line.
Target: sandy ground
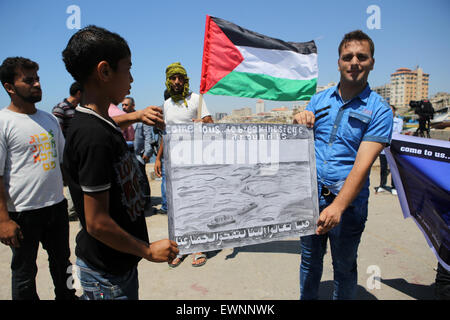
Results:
394 263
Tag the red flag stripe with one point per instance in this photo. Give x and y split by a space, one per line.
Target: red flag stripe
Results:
220 56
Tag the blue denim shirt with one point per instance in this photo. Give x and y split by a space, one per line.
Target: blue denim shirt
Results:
339 129
144 141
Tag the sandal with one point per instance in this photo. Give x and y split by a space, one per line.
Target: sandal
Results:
198 256
177 261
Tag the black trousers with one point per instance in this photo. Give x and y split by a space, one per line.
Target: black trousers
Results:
442 289
384 172
49 226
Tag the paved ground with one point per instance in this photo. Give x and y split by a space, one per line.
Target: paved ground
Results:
392 249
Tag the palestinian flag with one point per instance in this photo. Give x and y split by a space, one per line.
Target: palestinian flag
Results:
243 63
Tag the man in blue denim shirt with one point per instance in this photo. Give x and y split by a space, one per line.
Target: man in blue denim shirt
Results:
352 124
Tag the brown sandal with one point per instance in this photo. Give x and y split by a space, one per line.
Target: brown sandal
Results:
198 256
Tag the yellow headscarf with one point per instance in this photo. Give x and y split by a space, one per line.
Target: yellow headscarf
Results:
172 69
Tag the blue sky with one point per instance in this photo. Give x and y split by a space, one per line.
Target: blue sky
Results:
412 33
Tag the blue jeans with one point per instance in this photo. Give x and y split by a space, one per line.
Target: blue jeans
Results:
49 226
344 242
98 285
163 187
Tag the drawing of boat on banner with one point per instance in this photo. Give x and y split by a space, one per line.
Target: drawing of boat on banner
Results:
220 221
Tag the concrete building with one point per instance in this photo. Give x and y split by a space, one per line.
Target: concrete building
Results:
260 107
243 112
440 100
384 91
220 115
321 88
407 85
282 112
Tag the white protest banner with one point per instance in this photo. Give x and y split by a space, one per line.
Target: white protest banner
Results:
231 185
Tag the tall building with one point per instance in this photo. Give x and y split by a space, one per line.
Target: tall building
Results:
384 91
407 85
260 108
220 115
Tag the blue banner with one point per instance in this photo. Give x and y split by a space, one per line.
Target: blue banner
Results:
420 168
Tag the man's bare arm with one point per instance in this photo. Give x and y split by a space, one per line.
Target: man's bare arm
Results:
207 119
10 233
151 116
367 153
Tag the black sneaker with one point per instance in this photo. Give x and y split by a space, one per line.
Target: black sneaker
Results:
73 217
161 211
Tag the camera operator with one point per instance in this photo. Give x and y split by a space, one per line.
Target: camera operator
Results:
425 111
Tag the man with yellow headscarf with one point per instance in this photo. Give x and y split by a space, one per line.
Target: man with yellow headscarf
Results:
181 107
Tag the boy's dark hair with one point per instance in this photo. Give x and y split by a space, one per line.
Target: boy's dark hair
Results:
357 35
91 45
74 88
10 65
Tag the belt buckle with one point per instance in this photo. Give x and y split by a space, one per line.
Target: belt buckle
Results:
327 192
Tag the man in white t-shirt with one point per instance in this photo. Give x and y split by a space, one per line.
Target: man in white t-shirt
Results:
33 209
181 107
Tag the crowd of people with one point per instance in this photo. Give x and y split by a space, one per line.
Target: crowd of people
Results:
97 153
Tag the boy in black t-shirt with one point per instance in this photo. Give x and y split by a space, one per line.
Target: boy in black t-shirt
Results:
102 174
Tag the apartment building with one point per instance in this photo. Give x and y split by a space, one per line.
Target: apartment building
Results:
260 107
384 91
407 85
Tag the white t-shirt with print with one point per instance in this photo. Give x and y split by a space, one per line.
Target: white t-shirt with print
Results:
177 112
31 150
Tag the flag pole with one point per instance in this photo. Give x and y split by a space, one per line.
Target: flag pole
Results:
199 110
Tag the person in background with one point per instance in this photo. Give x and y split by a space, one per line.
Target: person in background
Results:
64 112
181 107
129 106
159 169
127 132
442 283
384 169
32 205
144 141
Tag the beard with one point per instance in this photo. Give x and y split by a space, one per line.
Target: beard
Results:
176 90
30 98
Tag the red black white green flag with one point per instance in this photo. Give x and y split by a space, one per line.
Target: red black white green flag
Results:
243 63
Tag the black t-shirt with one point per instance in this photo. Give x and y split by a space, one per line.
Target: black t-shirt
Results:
96 159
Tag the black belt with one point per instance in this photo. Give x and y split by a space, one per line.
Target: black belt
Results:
327 193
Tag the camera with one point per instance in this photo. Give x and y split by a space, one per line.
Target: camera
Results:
422 108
